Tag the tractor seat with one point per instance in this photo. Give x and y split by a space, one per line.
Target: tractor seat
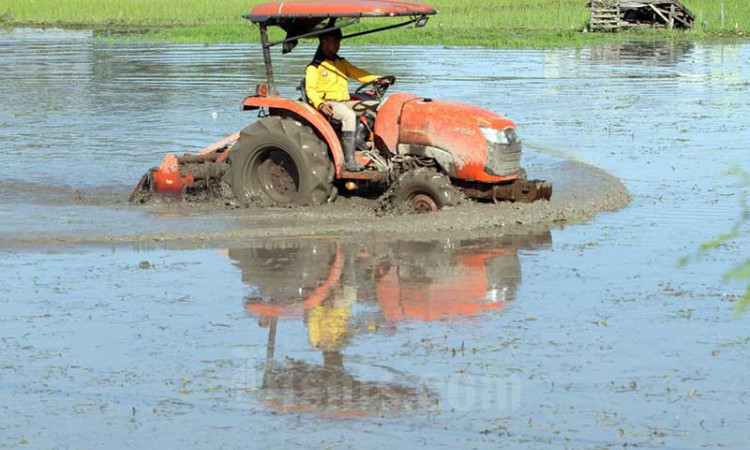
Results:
302 88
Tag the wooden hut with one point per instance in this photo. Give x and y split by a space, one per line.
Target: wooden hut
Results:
613 15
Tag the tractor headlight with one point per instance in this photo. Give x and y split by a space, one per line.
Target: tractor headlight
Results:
493 136
497 295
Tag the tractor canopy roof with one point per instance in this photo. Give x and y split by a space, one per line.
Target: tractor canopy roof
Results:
275 13
303 19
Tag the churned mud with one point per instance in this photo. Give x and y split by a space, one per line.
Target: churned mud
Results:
580 192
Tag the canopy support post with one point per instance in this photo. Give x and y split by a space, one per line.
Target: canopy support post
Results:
267 59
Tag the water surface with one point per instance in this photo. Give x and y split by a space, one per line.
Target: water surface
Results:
586 335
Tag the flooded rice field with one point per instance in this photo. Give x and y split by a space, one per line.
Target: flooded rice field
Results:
566 323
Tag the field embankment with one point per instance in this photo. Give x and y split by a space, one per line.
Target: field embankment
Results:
490 23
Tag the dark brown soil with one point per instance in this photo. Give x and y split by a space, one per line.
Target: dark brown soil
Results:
580 193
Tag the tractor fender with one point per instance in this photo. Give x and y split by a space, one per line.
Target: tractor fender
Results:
306 114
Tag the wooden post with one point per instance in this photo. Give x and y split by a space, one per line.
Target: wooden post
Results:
660 14
671 16
605 15
722 16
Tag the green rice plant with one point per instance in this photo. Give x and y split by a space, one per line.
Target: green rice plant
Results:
709 18
124 12
491 23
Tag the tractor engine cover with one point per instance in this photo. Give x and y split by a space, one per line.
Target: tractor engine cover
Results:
470 143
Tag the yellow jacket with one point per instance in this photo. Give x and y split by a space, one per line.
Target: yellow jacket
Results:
329 80
327 327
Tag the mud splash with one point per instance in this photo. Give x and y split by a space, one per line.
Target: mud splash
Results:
581 192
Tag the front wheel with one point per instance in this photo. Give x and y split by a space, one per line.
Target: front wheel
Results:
420 191
279 161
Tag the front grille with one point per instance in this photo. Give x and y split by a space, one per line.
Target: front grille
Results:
504 159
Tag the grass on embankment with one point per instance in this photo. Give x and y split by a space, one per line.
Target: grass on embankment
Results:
491 23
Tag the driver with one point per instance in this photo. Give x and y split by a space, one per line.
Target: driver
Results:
327 89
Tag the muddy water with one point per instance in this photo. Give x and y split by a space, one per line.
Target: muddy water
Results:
173 325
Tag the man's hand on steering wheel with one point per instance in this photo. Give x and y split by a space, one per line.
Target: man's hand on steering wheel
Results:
379 85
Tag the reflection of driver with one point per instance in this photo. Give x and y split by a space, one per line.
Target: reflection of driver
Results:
327 89
328 322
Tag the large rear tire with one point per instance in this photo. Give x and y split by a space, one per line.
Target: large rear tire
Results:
420 191
279 161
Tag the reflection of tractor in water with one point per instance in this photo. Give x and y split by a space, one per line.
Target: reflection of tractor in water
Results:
420 287
422 153
426 280
345 290
307 280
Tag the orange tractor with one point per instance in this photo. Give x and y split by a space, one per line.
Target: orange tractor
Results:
422 154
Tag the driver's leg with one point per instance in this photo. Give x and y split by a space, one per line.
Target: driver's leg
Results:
343 113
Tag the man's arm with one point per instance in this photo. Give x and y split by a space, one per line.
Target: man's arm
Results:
358 74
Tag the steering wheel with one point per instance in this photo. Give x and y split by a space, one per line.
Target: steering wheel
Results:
377 88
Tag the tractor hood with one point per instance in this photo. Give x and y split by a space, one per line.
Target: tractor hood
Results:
468 142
